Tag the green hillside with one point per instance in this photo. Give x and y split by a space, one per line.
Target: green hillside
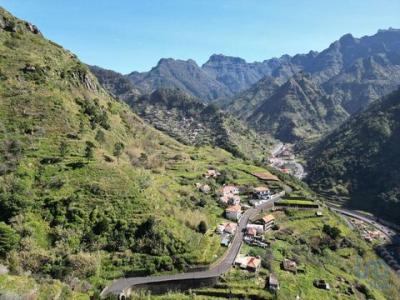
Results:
87 189
359 162
187 119
297 110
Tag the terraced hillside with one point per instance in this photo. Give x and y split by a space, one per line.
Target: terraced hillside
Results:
87 189
187 118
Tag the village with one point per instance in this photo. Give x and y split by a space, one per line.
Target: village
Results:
283 159
236 200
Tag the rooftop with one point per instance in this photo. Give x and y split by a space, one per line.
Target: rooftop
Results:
234 208
266 176
268 218
261 189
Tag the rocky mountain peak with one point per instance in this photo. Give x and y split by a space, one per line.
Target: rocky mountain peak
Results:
347 39
220 58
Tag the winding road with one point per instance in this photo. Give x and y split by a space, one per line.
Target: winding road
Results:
371 220
120 286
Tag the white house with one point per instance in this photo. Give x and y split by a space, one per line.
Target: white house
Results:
262 193
233 212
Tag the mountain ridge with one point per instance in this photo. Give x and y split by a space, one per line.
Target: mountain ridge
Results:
358 162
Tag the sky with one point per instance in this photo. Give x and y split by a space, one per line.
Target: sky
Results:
132 35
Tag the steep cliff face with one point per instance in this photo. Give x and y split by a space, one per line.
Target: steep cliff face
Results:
235 73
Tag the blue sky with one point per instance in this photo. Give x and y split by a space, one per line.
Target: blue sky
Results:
133 35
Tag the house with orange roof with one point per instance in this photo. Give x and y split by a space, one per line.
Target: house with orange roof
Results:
254 264
249 263
229 228
233 212
268 221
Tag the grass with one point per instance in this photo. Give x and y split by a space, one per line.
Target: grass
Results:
331 265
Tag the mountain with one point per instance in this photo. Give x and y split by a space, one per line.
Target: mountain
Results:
235 73
359 162
344 79
88 190
249 100
185 75
299 108
115 83
366 80
194 123
188 119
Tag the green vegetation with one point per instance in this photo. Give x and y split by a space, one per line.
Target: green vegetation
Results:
344 260
359 162
191 122
8 239
68 208
288 109
90 193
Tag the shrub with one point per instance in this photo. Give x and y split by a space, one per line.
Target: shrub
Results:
89 150
9 239
202 227
118 148
84 264
332 231
100 137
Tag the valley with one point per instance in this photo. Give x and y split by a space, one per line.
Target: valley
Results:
276 179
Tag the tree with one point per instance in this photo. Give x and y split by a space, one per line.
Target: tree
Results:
100 137
202 227
332 231
89 150
8 239
63 148
118 148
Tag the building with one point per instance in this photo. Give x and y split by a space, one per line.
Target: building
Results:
289 265
254 264
267 176
273 284
211 174
229 228
268 221
262 193
233 212
204 188
225 240
229 199
257 227
230 189
249 263
251 231
257 202
321 284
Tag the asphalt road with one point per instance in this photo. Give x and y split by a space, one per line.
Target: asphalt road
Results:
389 232
120 285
